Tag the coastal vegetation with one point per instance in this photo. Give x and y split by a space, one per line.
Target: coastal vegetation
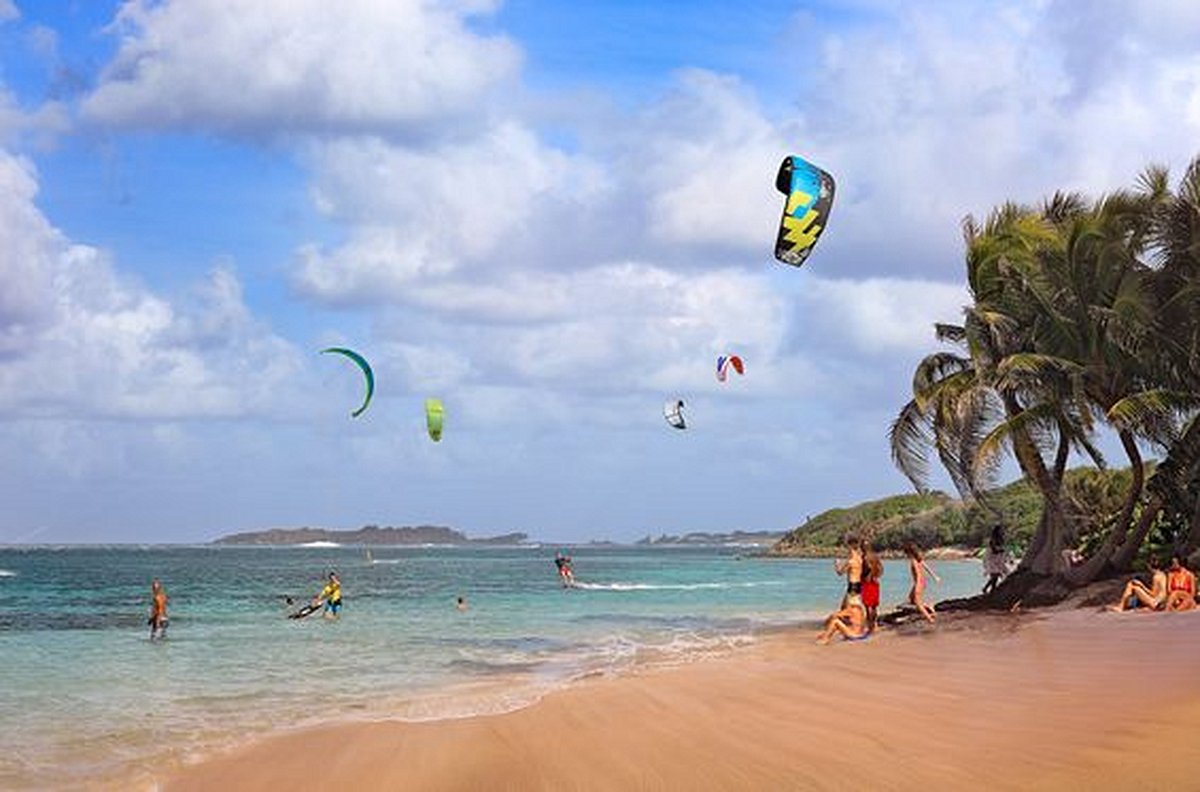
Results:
1084 320
937 520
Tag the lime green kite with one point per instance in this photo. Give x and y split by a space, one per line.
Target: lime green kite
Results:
434 414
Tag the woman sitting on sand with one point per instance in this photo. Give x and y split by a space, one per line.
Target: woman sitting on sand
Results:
1136 593
850 621
1181 586
918 568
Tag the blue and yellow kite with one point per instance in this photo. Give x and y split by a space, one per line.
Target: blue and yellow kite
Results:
809 192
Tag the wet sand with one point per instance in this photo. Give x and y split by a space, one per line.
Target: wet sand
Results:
1056 701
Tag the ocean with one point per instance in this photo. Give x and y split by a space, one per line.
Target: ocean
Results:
86 700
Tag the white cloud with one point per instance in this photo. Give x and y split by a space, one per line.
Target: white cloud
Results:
77 339
882 315
706 157
421 214
286 66
8 10
41 124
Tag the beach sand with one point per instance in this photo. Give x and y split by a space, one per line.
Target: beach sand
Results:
1062 700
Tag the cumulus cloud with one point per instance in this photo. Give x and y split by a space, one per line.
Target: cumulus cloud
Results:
289 66
953 111
881 316
425 213
705 157
78 339
41 124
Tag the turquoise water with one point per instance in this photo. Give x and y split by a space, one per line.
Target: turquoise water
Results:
86 699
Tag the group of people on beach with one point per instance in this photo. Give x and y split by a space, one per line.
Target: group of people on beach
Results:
858 615
1173 589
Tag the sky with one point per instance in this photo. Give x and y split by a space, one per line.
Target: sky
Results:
553 217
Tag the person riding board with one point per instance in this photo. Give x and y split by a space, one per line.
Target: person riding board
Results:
565 573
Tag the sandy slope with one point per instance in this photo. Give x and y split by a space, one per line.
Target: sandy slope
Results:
1066 700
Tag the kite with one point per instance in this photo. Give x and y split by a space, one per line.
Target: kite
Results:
366 370
434 414
724 363
673 412
809 192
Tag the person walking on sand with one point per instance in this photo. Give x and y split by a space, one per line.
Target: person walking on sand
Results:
1181 586
158 611
850 622
851 567
995 560
918 568
872 572
1136 593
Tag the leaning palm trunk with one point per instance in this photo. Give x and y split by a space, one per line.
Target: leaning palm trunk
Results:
1118 537
1123 558
1193 542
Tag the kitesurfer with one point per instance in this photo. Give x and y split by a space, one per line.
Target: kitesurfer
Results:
332 596
158 610
565 573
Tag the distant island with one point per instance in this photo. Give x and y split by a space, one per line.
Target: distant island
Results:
704 538
368 535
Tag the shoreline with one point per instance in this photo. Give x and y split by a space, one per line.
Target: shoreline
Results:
1012 692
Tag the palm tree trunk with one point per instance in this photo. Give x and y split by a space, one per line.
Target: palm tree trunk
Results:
1042 557
1123 559
1092 568
1194 531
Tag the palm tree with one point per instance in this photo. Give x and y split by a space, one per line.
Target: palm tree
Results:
1063 313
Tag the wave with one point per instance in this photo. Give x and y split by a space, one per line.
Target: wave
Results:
385 560
673 586
6 573
318 544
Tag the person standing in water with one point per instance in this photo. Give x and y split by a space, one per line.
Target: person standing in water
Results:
158 610
918 568
872 572
332 595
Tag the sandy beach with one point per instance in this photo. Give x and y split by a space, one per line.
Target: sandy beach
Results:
1056 700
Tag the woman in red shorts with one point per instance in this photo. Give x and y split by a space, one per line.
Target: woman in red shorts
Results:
872 572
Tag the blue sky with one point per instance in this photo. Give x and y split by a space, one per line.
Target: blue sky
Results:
551 216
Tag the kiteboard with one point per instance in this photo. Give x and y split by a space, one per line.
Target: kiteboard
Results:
307 610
